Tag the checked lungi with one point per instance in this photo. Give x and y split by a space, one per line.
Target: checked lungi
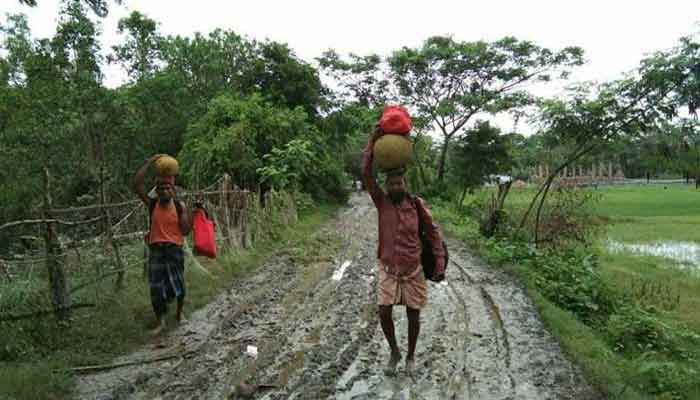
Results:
166 275
408 289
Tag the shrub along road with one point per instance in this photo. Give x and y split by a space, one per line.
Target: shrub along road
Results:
317 336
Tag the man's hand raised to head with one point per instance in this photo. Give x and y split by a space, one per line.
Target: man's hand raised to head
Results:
378 132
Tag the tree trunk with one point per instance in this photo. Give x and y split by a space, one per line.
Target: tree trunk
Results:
545 186
58 281
443 158
548 184
490 225
419 163
107 231
461 198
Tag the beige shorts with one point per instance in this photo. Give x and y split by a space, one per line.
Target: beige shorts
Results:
410 290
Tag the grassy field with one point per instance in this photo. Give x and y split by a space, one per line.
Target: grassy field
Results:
41 350
648 214
632 215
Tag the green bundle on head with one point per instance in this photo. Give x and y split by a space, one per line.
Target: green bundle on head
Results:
167 166
392 152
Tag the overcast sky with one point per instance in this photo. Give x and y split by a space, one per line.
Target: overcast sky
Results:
615 34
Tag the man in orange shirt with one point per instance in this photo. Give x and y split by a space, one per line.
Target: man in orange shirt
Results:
170 223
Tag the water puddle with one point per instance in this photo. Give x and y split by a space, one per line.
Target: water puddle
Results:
685 254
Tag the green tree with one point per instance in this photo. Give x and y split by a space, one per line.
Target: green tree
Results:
234 136
447 82
451 81
593 116
286 80
479 154
99 7
139 53
361 79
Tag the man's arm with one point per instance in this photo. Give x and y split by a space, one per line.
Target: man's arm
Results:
137 185
435 237
367 157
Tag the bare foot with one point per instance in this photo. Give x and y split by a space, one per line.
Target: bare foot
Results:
181 320
158 329
410 366
390 368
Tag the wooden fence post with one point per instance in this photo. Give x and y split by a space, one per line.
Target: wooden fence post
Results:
58 282
107 231
225 185
244 218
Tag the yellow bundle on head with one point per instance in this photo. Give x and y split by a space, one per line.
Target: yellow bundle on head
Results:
167 166
392 151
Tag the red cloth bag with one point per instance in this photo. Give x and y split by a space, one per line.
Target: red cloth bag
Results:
203 233
396 120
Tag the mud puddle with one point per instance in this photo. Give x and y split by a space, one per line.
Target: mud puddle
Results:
317 336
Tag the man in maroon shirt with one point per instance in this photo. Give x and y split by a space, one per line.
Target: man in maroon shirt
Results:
401 280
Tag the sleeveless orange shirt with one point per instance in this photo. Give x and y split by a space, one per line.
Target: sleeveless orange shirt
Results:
164 225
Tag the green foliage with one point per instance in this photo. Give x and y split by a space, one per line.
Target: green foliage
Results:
139 52
477 76
666 379
99 7
636 330
568 219
447 82
481 152
20 382
568 279
593 116
284 167
36 352
633 326
304 203
234 136
224 62
286 80
257 142
361 79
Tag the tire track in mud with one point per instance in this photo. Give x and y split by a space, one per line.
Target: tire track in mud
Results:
319 338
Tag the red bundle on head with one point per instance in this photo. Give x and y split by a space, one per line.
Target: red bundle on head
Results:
396 120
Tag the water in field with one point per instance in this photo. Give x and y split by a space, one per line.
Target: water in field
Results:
686 254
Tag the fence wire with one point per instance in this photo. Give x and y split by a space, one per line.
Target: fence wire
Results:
242 219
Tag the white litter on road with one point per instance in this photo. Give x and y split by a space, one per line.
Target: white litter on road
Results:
252 351
338 274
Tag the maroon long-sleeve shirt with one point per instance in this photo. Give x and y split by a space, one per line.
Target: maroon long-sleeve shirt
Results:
399 240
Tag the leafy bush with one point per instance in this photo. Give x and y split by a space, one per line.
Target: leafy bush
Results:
303 202
569 217
234 136
636 330
569 279
664 378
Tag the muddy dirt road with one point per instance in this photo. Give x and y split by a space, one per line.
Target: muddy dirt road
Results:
318 337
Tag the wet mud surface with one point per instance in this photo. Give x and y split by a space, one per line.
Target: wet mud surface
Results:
318 337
